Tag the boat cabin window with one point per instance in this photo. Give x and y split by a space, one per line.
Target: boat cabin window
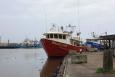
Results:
55 36
60 36
51 35
47 36
64 36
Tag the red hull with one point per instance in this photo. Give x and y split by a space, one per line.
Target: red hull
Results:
58 49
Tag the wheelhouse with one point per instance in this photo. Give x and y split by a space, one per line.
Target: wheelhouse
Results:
56 35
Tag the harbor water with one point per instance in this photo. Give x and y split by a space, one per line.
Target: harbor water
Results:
22 62
27 63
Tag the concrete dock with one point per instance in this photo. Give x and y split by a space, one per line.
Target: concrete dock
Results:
94 61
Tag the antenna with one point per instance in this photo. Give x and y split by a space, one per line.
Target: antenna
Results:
93 34
76 10
71 28
62 28
78 14
78 17
45 16
105 33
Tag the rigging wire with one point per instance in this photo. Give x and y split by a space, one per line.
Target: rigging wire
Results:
76 12
45 16
78 15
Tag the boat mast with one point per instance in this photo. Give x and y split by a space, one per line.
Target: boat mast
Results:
79 32
78 15
0 39
45 16
77 10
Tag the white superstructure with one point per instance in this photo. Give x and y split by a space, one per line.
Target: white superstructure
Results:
61 36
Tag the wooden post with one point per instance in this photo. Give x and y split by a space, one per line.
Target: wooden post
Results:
107 57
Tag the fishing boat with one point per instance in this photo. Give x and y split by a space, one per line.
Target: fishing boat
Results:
59 43
93 43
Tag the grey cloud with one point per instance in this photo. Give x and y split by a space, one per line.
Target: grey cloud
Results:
20 18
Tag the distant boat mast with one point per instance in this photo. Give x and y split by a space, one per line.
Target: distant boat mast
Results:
0 39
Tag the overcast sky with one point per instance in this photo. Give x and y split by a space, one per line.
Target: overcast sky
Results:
20 19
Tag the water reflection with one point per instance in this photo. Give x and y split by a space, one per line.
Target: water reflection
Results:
27 63
51 67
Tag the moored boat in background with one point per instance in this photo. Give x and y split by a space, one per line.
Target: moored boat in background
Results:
9 45
27 43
